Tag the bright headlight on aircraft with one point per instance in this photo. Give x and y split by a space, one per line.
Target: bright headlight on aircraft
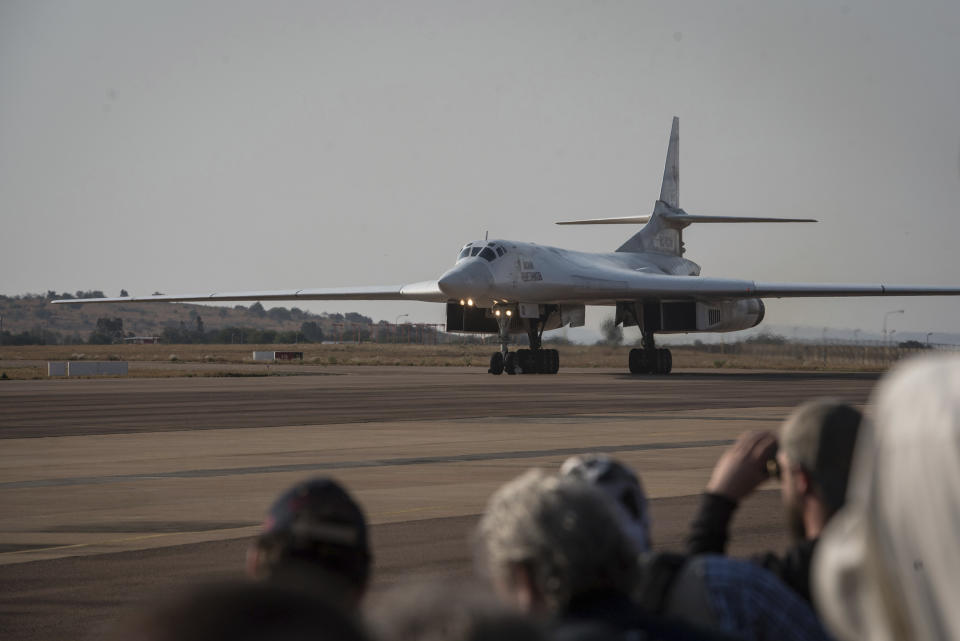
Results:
496 313
470 302
509 313
462 302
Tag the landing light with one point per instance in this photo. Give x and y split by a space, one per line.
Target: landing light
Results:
462 302
497 313
470 302
509 313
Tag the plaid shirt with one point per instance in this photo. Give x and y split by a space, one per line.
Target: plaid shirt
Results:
751 602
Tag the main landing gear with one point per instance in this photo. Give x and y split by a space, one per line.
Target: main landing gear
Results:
649 359
535 360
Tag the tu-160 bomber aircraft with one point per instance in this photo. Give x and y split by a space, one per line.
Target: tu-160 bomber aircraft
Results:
507 287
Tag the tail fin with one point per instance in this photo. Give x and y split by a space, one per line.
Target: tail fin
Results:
659 235
663 233
670 189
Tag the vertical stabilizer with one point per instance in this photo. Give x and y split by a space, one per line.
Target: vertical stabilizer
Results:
670 189
664 235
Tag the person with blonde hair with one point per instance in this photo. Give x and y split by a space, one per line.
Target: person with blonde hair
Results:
888 564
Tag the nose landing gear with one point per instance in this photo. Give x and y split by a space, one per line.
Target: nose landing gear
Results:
535 360
649 359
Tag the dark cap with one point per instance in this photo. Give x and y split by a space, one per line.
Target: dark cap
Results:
820 436
318 511
316 533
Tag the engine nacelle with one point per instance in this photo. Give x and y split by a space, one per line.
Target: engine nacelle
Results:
680 317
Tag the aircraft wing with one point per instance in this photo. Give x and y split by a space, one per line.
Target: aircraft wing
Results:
426 291
638 286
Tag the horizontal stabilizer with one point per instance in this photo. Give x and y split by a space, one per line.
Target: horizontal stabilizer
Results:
685 218
628 220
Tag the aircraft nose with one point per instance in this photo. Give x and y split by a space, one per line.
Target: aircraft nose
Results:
469 279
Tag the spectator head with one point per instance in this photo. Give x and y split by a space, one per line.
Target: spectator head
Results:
544 541
816 451
888 564
314 533
244 611
448 611
622 486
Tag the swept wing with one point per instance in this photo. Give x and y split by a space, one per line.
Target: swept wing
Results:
426 291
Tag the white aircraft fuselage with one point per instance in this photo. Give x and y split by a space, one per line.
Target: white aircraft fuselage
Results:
528 272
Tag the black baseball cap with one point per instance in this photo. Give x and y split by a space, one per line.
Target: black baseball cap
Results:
318 522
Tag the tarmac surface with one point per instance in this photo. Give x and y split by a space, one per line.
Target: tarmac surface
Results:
116 492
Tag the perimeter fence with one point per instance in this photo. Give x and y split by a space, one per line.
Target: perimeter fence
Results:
867 355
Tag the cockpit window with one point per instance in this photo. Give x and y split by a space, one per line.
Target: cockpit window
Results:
500 251
488 254
464 253
474 251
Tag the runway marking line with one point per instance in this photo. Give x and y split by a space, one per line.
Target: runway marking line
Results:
342 465
126 539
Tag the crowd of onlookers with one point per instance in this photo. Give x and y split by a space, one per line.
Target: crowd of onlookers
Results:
872 504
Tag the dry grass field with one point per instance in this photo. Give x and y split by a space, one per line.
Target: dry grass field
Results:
25 362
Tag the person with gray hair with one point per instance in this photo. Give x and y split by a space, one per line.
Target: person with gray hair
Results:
555 549
712 591
888 564
812 458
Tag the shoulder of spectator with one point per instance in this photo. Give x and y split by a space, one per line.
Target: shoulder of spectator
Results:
793 567
710 525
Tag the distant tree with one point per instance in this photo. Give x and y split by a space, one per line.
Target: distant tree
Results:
354 317
98 338
311 332
112 327
612 333
257 309
199 324
279 313
157 293
123 293
91 293
287 337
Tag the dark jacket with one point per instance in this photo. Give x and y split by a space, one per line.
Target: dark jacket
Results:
609 616
710 530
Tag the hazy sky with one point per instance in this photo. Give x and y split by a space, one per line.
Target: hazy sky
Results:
212 146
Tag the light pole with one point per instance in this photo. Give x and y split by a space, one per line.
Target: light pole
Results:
885 316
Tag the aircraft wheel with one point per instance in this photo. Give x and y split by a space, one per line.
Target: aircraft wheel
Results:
527 360
664 361
510 364
639 362
553 361
496 364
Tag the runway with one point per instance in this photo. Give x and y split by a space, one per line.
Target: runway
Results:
116 491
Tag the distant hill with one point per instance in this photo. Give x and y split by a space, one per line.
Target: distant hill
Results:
32 313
